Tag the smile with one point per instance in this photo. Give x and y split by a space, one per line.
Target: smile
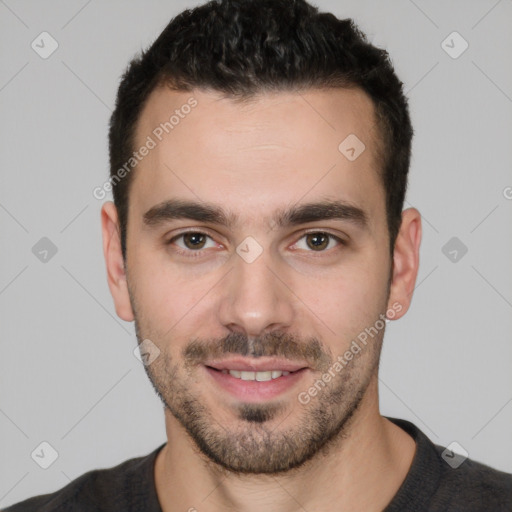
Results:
249 385
259 376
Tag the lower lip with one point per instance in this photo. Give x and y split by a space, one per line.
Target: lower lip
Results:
252 390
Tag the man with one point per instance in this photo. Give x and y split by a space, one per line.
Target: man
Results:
259 157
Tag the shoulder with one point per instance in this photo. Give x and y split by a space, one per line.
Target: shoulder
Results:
78 495
442 480
474 485
113 489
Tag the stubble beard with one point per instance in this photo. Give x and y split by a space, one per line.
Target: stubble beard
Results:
259 443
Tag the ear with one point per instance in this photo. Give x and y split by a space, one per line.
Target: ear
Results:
116 274
406 259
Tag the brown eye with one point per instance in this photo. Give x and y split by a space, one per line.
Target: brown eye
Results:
191 243
194 240
318 241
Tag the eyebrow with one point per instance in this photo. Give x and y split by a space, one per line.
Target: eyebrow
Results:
293 216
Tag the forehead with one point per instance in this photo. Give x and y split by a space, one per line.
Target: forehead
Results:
256 156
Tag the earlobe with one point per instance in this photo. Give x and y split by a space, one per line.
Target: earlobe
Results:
405 261
114 262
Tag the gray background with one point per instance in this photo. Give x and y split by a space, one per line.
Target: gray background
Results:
68 375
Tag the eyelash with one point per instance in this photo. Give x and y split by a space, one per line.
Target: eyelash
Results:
189 253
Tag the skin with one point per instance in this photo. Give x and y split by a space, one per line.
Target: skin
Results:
256 159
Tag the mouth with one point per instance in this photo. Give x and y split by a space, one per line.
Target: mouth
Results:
255 381
258 376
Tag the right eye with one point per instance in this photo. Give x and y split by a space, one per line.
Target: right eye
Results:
193 242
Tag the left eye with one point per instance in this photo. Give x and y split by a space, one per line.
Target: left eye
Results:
318 241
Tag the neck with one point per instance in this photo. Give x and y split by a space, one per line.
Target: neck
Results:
361 470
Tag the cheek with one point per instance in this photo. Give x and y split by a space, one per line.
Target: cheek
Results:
349 299
167 298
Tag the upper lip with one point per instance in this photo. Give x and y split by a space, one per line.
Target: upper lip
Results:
263 364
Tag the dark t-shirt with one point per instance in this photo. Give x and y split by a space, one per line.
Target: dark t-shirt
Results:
431 485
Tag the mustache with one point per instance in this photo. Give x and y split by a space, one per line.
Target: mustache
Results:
275 343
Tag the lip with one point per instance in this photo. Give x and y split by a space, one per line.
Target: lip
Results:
252 391
263 364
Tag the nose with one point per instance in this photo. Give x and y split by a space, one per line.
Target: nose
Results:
256 298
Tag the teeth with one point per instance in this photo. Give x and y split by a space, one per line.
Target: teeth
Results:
258 376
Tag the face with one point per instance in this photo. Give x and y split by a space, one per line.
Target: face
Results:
257 254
